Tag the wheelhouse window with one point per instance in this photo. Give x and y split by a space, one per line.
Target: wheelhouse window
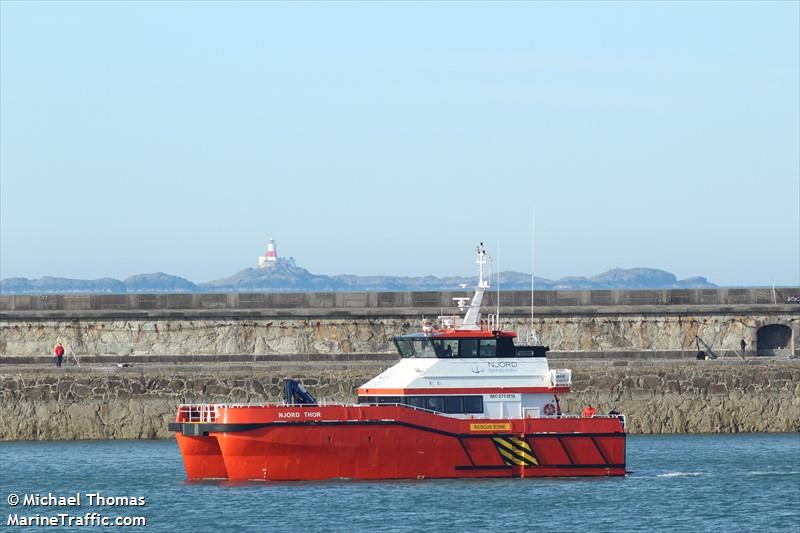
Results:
505 347
471 347
446 348
488 347
468 348
415 347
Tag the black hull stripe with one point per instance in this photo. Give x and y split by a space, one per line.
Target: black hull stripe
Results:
466 452
535 468
483 467
600 450
566 451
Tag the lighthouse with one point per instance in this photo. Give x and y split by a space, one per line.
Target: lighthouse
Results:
269 259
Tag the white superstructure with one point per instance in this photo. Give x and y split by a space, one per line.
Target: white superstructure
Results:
467 369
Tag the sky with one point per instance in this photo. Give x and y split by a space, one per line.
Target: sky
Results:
390 138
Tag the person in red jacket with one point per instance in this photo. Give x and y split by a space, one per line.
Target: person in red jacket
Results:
589 412
59 351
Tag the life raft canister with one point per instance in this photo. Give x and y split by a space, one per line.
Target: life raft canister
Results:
549 409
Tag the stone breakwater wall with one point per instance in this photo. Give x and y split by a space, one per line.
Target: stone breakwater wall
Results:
283 326
159 339
128 403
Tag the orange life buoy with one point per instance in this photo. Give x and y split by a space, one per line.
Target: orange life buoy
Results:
549 409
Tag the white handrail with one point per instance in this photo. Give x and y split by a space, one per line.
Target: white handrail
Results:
197 412
209 413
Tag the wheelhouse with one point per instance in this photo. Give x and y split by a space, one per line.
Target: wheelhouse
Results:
464 345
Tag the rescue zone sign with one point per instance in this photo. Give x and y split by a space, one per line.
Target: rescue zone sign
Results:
490 426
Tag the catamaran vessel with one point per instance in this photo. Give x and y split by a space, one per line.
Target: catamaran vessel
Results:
464 401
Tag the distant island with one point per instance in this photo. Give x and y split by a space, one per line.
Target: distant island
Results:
286 276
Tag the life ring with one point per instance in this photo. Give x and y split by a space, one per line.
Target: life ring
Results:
549 409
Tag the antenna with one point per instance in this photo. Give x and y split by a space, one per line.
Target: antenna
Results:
533 338
533 261
481 251
498 286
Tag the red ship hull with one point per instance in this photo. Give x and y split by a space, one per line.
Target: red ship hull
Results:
393 442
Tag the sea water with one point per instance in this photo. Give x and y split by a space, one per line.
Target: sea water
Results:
677 483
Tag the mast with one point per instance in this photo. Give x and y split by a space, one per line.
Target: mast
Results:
533 338
472 319
497 316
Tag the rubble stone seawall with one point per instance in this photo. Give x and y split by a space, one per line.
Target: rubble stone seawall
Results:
725 396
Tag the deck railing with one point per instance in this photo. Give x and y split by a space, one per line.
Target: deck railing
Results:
198 412
209 413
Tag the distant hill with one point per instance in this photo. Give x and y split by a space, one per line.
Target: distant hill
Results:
286 276
636 278
49 285
159 282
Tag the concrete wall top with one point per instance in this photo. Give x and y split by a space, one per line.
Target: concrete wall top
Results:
391 300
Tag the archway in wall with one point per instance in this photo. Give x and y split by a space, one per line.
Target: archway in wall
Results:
773 337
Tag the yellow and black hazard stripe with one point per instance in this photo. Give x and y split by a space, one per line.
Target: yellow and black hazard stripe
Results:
515 452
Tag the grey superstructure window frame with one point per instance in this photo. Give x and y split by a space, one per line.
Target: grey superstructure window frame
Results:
449 404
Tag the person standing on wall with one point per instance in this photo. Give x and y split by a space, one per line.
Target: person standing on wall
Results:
59 351
744 345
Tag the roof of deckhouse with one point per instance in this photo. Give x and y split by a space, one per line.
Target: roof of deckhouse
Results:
458 334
